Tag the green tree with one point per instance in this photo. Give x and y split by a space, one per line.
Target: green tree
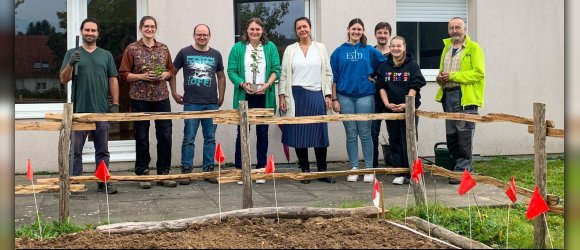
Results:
271 16
40 28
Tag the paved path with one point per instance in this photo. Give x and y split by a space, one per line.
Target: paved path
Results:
201 198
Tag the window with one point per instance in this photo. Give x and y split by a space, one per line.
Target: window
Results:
278 18
39 48
424 26
41 86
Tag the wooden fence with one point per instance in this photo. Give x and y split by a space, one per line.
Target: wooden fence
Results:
67 122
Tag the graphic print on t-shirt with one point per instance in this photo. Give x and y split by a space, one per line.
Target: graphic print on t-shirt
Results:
201 68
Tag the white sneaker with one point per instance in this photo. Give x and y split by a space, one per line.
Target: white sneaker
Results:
352 178
260 181
399 180
240 183
369 178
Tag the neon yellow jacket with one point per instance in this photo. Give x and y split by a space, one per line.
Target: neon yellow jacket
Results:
471 76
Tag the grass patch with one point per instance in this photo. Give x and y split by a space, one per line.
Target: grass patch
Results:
503 168
491 229
51 229
351 204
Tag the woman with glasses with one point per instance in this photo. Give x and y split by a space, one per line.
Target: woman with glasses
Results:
147 67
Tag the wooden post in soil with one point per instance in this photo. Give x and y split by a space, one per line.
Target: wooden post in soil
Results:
540 166
64 145
245 153
418 188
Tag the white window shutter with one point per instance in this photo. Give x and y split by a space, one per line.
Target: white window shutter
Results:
430 10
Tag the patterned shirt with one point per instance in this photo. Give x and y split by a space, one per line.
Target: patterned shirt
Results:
452 63
138 59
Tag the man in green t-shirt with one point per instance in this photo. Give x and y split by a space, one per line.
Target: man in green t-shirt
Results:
96 77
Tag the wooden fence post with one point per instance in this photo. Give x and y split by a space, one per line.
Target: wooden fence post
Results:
64 147
540 166
245 153
418 188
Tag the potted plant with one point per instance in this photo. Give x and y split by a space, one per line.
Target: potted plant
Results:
254 68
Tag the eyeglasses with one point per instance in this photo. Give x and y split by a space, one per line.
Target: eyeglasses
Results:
455 28
149 27
202 35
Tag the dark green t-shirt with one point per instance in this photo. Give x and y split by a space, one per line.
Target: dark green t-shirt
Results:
90 94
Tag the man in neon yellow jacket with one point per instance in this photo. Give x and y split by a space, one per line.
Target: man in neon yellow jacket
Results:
462 80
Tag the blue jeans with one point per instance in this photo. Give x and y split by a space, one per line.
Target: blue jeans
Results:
356 129
101 142
255 101
189 133
163 131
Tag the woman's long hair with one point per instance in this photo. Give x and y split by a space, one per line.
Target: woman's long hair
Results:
363 38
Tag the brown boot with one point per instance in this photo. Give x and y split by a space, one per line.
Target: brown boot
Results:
145 184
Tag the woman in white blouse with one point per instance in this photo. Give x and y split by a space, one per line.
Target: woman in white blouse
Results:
305 89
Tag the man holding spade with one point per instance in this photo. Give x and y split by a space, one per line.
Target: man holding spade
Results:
95 79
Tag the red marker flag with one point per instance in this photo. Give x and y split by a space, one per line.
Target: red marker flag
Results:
467 183
29 173
537 205
376 194
417 170
219 154
270 166
102 172
511 191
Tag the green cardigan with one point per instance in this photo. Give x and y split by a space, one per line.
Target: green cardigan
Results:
236 71
471 76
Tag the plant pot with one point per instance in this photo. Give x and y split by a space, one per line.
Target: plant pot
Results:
255 87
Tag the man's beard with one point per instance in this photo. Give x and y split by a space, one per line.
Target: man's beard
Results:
457 38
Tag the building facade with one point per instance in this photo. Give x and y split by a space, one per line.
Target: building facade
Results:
522 40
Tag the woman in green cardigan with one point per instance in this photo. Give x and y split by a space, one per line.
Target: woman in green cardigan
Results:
254 60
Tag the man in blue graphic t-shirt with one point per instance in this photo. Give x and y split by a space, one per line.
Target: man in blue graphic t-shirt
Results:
202 91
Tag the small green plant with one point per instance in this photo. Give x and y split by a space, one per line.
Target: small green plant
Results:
50 229
255 61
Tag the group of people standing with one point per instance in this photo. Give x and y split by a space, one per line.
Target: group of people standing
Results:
355 78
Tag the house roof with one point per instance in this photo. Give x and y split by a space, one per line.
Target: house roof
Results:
31 49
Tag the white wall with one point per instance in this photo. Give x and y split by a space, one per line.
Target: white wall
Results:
522 40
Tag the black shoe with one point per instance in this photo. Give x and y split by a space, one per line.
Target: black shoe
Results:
327 180
186 181
454 181
305 181
110 188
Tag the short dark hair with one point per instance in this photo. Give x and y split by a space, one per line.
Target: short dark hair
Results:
195 28
258 21
383 25
90 20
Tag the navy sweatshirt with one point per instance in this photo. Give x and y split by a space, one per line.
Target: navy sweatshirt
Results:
352 65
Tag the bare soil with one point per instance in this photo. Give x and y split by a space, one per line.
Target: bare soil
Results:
348 232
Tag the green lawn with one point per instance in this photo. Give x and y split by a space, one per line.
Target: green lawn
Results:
491 228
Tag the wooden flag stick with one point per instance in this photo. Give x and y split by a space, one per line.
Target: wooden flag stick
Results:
382 199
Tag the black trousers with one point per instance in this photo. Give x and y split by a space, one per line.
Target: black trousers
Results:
398 142
163 130
320 152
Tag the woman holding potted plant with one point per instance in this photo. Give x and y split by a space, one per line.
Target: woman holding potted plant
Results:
147 66
253 67
305 89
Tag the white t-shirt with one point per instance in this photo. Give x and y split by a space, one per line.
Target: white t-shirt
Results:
306 70
261 64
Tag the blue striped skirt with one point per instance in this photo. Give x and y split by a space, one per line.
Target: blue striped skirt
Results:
307 103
